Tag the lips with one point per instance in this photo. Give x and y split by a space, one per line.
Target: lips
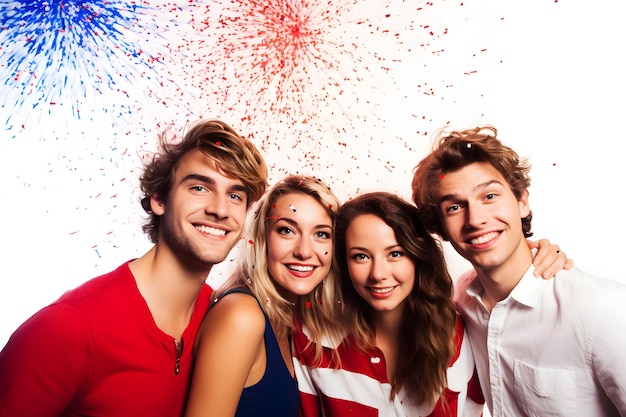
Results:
300 268
482 239
300 271
385 290
213 231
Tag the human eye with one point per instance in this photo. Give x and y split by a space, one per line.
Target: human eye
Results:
284 230
396 254
490 196
198 188
359 257
453 208
236 196
322 234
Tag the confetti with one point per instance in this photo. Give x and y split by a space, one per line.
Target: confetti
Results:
75 54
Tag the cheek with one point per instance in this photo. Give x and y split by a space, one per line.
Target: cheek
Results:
326 253
275 250
407 273
358 274
240 213
451 225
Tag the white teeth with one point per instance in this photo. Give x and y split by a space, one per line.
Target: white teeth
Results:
484 238
300 268
211 230
382 290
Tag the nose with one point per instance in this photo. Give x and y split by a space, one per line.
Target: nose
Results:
217 205
475 216
303 248
380 271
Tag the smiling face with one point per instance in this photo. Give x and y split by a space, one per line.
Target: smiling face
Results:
481 217
299 234
204 214
380 270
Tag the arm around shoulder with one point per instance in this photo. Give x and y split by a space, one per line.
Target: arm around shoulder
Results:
45 363
229 351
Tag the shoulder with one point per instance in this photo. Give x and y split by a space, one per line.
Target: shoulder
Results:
55 339
237 312
70 321
237 304
578 282
594 303
329 341
462 283
58 320
93 291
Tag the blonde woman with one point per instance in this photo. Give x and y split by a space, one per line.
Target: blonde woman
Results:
243 356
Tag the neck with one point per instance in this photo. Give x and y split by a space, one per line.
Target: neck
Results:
169 288
387 323
498 282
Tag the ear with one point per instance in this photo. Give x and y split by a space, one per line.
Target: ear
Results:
524 207
157 206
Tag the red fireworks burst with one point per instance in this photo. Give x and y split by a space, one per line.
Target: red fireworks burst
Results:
294 62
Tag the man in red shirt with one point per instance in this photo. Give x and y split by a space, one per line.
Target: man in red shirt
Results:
121 344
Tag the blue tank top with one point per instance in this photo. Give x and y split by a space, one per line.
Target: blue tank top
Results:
276 394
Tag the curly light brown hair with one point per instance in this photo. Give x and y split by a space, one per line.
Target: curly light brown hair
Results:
456 150
234 154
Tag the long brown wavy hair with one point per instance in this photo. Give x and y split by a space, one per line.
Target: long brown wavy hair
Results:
427 330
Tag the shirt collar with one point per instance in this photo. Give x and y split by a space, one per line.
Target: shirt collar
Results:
526 292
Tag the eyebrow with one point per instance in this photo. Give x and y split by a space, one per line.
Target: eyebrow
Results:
209 180
295 223
388 248
479 187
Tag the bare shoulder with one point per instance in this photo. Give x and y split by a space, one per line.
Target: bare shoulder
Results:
237 314
238 308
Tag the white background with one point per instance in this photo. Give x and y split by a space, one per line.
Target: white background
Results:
549 75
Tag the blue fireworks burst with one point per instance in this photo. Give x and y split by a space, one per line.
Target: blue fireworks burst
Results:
64 52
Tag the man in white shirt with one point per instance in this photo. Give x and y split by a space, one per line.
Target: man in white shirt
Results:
542 347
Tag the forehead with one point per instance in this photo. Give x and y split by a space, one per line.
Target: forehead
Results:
471 178
197 162
300 206
370 229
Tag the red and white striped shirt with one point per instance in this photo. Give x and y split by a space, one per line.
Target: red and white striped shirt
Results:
360 386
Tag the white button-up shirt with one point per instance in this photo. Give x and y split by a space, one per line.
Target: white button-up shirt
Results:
552 348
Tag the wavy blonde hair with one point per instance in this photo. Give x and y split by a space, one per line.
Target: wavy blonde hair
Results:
318 311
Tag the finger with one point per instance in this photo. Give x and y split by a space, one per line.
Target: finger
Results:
560 258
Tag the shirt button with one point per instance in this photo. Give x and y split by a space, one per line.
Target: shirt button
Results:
375 360
486 316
